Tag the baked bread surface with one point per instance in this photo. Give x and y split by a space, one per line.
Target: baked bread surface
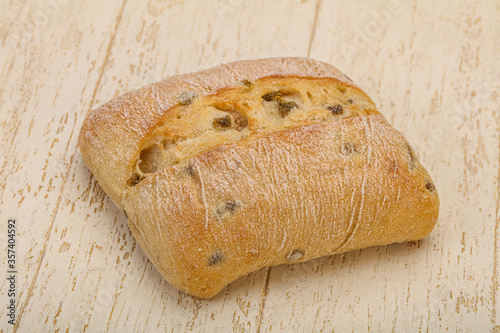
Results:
113 135
253 164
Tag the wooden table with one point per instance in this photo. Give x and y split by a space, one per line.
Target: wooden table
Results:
432 67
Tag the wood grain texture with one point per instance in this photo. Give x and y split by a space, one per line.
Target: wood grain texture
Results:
432 68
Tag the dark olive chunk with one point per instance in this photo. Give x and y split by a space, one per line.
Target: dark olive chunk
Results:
430 187
229 207
216 258
349 148
271 96
335 109
190 171
222 123
246 83
284 108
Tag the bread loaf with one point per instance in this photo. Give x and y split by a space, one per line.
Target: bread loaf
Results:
253 164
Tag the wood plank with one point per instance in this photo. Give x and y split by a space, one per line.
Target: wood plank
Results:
46 87
431 67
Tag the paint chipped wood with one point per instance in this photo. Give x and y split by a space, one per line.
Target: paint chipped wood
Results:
431 67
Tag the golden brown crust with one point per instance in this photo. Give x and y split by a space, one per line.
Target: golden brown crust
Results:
255 109
112 135
262 176
291 196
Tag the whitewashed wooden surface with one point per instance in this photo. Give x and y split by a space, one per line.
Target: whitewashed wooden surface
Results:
433 68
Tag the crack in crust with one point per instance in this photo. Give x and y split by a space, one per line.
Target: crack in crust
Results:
249 111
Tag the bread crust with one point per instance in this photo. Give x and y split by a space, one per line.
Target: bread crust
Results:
293 195
111 135
286 196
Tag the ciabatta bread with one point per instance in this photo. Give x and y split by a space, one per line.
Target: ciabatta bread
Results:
253 164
